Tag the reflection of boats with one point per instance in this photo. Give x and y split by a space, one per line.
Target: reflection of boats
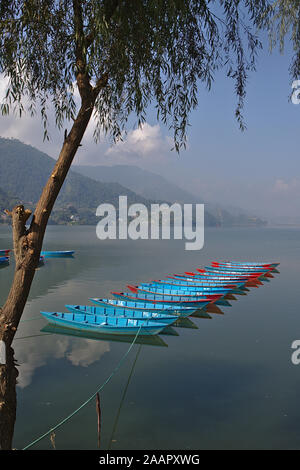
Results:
41 261
150 340
57 254
146 306
4 261
126 313
104 324
185 323
203 314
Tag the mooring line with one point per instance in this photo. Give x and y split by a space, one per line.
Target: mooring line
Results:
32 336
89 399
123 397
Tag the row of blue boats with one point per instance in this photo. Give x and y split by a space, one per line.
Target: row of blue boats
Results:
150 307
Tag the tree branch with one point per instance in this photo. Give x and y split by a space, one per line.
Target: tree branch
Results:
82 77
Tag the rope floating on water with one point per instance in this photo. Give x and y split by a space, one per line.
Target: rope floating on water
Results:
51 431
33 336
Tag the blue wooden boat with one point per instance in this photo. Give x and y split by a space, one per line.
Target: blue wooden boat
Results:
4 252
104 324
191 285
183 287
218 299
181 292
237 270
207 276
146 306
197 301
57 254
245 264
220 276
198 283
4 260
261 275
127 313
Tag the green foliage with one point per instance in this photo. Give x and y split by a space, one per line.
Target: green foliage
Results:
6 200
282 21
151 51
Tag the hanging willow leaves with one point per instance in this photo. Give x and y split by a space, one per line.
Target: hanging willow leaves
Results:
281 19
153 51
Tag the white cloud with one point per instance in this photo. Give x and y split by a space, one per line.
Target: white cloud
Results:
142 143
86 352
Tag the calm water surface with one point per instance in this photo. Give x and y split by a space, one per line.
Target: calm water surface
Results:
229 384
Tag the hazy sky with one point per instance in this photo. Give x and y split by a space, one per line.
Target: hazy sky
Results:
256 170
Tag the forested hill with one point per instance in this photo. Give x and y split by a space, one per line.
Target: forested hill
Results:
6 200
24 171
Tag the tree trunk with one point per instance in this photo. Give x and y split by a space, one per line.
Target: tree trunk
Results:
8 400
27 248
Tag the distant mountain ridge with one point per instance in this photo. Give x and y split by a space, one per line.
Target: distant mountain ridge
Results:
152 185
24 170
147 184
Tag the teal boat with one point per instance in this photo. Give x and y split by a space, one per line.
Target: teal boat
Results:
146 306
168 288
197 283
176 300
119 312
104 324
245 264
237 270
57 254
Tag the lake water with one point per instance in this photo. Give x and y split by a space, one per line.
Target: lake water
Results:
229 384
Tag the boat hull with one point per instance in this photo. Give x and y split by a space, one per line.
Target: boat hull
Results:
57 254
145 306
98 324
117 312
171 300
